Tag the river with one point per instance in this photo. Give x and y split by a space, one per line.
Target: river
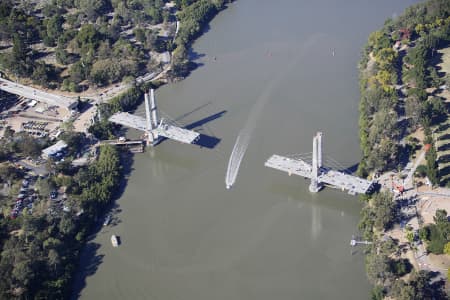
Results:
286 69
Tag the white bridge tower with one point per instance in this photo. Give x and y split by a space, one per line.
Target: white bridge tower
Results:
319 173
315 185
151 119
154 127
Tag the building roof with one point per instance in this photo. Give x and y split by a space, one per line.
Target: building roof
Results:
52 150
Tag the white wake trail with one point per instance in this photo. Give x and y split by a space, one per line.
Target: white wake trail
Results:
236 157
243 138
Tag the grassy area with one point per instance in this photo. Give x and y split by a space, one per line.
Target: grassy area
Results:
443 131
443 150
445 65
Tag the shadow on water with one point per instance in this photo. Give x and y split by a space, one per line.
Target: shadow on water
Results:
180 118
207 141
204 140
89 259
194 55
89 262
205 120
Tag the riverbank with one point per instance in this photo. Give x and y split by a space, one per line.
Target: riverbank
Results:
40 248
398 81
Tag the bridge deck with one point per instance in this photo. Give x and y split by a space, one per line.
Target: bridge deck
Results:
116 142
164 129
177 133
334 178
129 120
353 184
289 165
38 95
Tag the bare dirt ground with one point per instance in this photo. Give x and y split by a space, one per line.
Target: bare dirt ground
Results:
84 120
430 201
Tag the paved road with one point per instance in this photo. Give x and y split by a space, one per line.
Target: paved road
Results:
35 94
437 192
408 179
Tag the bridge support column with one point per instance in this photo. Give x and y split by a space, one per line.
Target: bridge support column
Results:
151 119
315 185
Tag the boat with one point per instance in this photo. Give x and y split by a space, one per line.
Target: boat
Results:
107 220
114 241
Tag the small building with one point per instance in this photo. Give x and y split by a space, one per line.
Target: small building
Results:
53 150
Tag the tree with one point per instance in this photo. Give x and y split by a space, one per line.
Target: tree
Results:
410 236
139 33
54 29
44 186
432 167
384 210
68 126
413 109
433 78
423 234
102 130
377 267
23 273
9 132
62 57
41 74
27 145
53 260
66 225
447 248
377 293
91 8
77 72
440 217
402 291
9 172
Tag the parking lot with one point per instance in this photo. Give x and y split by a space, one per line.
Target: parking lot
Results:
25 197
39 119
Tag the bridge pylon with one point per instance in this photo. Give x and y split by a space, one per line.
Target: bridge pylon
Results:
316 185
151 119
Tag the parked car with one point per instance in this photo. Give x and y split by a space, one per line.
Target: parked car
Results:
53 195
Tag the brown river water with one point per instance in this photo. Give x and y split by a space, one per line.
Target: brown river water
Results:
268 65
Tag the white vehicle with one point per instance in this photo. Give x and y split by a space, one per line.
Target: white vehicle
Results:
107 220
114 241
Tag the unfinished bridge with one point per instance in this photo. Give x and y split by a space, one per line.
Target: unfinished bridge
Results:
154 127
317 172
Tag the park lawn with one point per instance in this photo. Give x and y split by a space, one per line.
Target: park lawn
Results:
445 64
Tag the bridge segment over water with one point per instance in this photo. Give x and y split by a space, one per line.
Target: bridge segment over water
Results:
154 127
318 173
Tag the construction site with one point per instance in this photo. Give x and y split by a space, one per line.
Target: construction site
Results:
38 113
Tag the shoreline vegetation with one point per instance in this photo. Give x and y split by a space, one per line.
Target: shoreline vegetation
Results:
40 247
87 48
402 108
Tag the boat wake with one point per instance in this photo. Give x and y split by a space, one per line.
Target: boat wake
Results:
243 138
236 157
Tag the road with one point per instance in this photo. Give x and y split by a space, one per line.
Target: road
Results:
70 102
408 179
38 95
